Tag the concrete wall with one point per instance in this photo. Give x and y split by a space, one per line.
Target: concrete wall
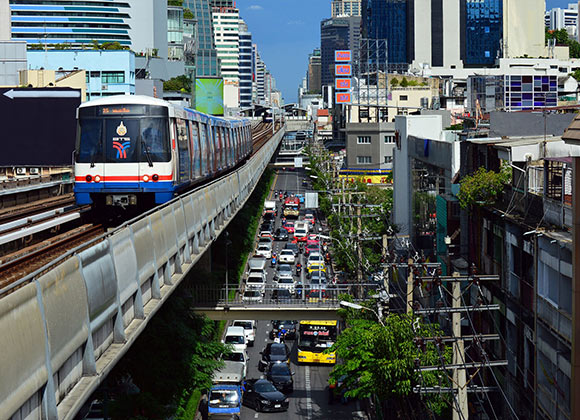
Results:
148 26
12 60
523 28
5 21
377 149
422 25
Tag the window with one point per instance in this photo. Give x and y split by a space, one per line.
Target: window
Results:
389 139
403 98
364 140
113 77
361 160
388 159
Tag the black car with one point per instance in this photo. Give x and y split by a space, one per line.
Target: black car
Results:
293 247
282 295
281 376
262 395
267 225
281 234
273 353
289 326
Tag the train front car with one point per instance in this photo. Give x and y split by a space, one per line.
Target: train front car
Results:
124 152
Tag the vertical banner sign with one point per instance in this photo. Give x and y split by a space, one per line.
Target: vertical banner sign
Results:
342 56
342 84
343 98
342 69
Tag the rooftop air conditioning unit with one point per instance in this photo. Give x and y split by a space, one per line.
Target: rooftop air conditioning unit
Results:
34 171
20 171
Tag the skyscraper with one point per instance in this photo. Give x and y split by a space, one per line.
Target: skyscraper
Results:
387 19
483 31
226 24
345 8
341 33
207 63
245 66
314 68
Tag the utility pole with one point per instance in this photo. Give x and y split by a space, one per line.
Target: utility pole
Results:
360 253
459 377
410 287
385 267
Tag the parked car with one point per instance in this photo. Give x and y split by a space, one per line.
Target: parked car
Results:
281 376
289 326
281 234
274 353
262 395
287 256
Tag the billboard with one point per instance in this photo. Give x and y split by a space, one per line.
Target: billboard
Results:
209 95
342 84
39 126
343 98
342 55
342 70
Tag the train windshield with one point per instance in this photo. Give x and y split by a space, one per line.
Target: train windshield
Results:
123 140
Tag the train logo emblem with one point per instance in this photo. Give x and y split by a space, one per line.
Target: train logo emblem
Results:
121 143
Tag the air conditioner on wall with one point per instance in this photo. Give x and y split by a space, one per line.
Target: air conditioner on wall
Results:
34 171
21 171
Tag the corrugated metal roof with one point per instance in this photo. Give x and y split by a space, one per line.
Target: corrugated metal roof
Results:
572 133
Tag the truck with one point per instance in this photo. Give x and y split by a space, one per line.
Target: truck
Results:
292 207
270 208
225 395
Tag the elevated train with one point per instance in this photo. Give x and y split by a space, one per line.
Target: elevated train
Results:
138 152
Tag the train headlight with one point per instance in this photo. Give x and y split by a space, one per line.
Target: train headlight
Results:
146 178
97 178
88 178
155 178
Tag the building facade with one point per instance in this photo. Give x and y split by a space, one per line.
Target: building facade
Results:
206 62
387 19
558 18
483 32
226 24
340 8
313 82
341 33
74 23
246 69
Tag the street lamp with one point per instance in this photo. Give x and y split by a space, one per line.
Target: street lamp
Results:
346 304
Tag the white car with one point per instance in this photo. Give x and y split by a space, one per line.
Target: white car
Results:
240 357
236 337
252 296
249 327
283 270
315 259
287 283
287 256
256 281
265 250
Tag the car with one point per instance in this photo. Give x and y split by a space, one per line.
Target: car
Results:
309 217
317 295
240 357
321 275
312 247
269 217
282 295
287 256
264 250
262 395
249 327
317 282
265 240
286 283
281 234
312 237
266 234
267 225
281 376
256 281
252 296
314 259
236 337
315 267
289 226
283 271
293 247
274 353
301 231
289 326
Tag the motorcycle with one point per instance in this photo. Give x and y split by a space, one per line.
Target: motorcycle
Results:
298 269
273 261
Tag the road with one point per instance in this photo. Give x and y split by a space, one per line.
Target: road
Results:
310 397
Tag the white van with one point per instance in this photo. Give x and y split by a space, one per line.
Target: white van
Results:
301 231
249 327
237 338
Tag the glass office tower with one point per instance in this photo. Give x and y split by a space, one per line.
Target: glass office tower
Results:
387 19
483 31
207 63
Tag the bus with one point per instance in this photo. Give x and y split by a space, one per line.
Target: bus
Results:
292 207
313 338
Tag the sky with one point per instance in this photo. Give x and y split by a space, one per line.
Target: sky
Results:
286 31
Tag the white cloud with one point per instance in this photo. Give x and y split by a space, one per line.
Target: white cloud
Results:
255 7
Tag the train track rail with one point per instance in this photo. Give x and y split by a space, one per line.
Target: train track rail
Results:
30 209
19 264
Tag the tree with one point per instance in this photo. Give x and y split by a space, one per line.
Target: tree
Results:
576 74
394 82
178 84
376 360
483 187
187 14
404 82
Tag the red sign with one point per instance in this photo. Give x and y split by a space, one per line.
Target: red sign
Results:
342 55
342 70
342 83
343 98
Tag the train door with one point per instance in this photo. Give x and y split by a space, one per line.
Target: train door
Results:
204 150
121 148
196 154
220 143
212 151
184 164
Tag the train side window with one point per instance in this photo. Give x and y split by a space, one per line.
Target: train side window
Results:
195 149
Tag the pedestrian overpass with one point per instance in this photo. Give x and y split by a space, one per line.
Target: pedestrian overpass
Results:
64 327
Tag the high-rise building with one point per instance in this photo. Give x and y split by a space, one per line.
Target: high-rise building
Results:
206 63
245 66
223 3
226 24
75 23
345 8
260 72
314 68
175 32
148 27
483 30
521 34
387 19
5 22
558 18
341 33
